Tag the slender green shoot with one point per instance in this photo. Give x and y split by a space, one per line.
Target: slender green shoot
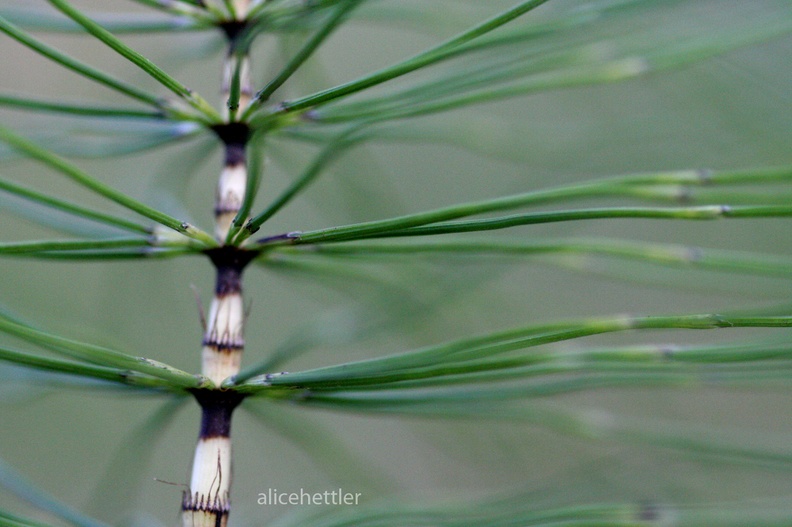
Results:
23 248
334 149
232 12
76 210
117 22
36 152
711 212
193 99
335 20
103 356
629 185
19 485
12 520
546 65
235 90
25 103
477 348
666 254
78 67
127 377
431 56
419 224
143 253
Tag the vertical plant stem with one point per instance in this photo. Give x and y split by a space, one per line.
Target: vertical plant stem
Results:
237 90
207 504
233 181
208 501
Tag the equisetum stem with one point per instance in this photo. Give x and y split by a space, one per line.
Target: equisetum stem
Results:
230 186
207 503
237 91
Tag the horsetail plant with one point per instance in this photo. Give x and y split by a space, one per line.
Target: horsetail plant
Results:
464 57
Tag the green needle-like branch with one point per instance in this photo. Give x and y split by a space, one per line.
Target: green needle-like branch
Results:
193 99
325 157
76 210
639 186
78 67
12 520
18 484
426 58
36 152
235 90
82 370
336 19
677 213
33 248
103 356
26 103
194 10
41 20
433 361
665 254
419 224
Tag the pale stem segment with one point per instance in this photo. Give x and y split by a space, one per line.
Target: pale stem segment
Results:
207 503
230 189
237 91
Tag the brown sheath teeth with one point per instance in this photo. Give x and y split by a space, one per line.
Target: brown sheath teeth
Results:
224 347
199 503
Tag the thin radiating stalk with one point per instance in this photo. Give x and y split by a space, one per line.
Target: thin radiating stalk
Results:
83 370
550 72
325 157
92 184
343 376
116 22
70 208
423 225
26 103
191 98
631 185
19 485
21 248
667 254
303 54
434 55
103 356
78 67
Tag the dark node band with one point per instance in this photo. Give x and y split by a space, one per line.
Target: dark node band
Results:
229 261
221 346
237 134
233 29
217 407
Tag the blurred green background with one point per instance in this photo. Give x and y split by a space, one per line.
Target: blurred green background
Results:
733 111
